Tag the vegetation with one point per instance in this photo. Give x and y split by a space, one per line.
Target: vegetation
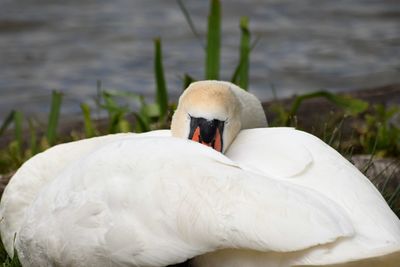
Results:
378 133
375 133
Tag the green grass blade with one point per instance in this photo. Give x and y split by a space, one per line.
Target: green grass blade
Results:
235 75
54 115
244 53
241 73
124 126
213 41
161 90
143 120
109 103
351 105
117 112
33 142
97 98
187 80
188 18
114 122
141 123
125 95
6 261
336 135
9 119
18 119
87 120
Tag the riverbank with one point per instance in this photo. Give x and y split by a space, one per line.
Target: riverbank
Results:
310 113
318 109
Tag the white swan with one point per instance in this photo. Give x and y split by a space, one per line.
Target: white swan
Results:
151 200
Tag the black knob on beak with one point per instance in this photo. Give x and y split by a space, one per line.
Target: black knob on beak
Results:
208 132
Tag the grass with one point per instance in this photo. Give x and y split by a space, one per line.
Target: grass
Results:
213 46
5 260
355 127
241 74
161 89
287 116
54 114
379 133
375 135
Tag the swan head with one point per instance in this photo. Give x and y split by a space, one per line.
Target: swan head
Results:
208 112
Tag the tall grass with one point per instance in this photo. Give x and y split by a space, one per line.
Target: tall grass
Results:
240 75
18 117
161 88
87 120
17 150
6 261
54 115
350 105
213 46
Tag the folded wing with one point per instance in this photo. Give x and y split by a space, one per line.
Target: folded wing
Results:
155 201
313 164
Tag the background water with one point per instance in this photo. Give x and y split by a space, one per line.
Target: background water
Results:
304 46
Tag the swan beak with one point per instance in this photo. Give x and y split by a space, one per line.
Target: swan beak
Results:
207 132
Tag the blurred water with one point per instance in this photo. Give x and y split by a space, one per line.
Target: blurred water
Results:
304 46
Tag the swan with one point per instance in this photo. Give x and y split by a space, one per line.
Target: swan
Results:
278 197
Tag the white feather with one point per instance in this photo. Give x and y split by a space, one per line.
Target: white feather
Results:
156 208
376 241
37 172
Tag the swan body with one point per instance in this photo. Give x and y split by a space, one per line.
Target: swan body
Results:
278 197
315 165
199 201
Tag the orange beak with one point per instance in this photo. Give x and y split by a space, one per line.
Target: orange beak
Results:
207 132
216 143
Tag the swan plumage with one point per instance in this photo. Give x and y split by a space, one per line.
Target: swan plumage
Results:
317 166
208 204
278 197
37 172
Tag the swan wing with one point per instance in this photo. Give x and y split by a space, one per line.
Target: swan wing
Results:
37 172
315 165
155 201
